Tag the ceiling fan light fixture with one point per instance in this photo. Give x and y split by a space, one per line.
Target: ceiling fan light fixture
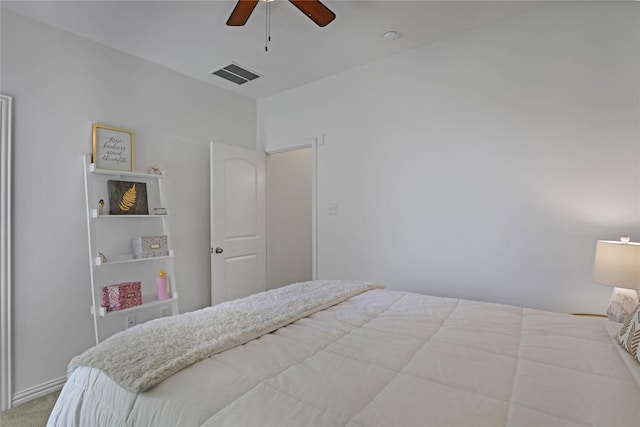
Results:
313 9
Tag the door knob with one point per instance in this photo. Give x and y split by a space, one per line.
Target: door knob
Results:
219 250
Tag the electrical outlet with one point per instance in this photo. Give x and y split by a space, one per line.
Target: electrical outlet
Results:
131 321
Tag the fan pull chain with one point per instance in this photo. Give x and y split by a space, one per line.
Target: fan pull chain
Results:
268 26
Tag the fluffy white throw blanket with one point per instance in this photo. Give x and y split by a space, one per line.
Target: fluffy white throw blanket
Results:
142 357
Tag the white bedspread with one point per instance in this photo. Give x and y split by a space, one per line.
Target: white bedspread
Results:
140 358
386 358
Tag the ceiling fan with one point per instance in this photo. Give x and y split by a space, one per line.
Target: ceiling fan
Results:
316 11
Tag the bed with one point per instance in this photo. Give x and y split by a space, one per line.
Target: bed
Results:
366 357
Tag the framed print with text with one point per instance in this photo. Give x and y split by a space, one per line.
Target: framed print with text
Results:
113 148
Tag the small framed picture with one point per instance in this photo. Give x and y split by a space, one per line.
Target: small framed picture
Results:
113 148
127 198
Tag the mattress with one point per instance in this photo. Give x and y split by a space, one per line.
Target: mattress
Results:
388 358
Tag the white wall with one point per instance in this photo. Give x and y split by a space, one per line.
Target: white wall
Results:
483 166
61 84
289 217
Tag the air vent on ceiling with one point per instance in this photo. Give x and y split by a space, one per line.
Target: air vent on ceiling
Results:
236 74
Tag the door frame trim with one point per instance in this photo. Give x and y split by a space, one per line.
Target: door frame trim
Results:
6 374
313 143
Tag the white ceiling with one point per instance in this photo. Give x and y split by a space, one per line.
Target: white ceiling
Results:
191 36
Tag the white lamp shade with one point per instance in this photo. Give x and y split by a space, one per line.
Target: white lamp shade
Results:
617 264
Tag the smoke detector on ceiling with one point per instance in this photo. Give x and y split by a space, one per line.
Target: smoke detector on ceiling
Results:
391 36
236 74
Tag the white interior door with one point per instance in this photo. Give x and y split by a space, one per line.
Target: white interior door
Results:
238 223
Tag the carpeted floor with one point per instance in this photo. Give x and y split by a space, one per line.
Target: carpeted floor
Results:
31 414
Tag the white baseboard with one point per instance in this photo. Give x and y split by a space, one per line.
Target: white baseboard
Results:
38 391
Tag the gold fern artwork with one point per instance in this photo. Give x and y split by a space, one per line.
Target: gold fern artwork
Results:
127 198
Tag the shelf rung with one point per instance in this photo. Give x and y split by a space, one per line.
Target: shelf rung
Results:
94 169
94 214
150 302
130 259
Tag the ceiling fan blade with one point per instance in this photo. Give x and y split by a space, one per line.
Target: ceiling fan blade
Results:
316 11
241 12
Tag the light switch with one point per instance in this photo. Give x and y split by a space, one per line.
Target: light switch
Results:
333 208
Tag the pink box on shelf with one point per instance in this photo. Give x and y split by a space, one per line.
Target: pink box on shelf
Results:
121 296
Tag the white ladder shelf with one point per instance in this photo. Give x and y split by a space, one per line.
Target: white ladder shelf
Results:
112 236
